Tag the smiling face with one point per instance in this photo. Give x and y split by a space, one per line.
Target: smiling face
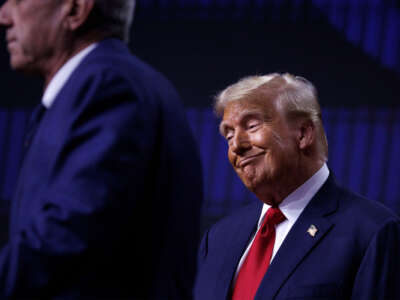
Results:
262 146
33 32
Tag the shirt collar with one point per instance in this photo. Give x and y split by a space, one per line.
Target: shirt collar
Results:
63 74
293 205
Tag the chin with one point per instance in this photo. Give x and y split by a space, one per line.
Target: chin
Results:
22 66
252 185
16 64
251 179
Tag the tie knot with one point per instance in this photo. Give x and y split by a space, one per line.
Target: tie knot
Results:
274 216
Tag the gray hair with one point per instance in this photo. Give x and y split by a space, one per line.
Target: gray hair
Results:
296 94
113 17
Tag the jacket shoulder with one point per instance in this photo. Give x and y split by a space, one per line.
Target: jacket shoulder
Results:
371 212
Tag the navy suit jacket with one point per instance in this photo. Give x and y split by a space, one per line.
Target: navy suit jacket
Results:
108 199
355 253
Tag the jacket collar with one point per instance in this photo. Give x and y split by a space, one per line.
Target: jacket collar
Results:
299 242
239 234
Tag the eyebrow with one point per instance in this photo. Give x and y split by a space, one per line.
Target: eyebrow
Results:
222 128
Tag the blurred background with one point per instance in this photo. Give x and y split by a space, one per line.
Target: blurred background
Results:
350 49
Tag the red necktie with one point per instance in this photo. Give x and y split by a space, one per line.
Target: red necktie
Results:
257 261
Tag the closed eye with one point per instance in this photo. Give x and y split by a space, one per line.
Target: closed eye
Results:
229 136
253 125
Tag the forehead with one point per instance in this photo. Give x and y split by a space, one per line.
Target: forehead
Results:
237 109
40 6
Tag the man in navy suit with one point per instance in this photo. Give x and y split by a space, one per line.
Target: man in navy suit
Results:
108 199
307 238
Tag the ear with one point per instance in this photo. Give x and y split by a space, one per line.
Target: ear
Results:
78 12
306 134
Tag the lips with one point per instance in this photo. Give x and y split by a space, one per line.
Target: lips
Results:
10 40
247 160
9 37
10 45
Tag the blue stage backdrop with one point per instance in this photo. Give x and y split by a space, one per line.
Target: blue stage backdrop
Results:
364 147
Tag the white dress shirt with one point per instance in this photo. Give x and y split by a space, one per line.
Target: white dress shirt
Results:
63 74
292 206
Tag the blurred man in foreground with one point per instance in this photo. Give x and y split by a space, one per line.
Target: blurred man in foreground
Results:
108 199
307 238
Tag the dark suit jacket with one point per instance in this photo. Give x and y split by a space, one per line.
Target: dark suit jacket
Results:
355 253
107 203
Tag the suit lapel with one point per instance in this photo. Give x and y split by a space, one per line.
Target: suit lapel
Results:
299 242
239 236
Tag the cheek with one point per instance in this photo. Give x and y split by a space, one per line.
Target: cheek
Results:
231 156
260 139
26 35
265 138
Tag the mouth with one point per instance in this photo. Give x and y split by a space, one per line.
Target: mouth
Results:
10 46
10 40
247 160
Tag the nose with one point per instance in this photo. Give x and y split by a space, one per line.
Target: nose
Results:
240 142
5 19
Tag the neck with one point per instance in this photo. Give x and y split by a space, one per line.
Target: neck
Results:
59 60
273 193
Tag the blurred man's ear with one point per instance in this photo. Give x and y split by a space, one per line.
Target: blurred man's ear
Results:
78 12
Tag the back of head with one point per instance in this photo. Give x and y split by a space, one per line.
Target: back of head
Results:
295 94
112 18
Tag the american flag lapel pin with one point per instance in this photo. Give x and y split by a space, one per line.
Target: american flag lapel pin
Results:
312 230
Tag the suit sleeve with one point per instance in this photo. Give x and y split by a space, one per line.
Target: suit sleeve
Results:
104 160
379 274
